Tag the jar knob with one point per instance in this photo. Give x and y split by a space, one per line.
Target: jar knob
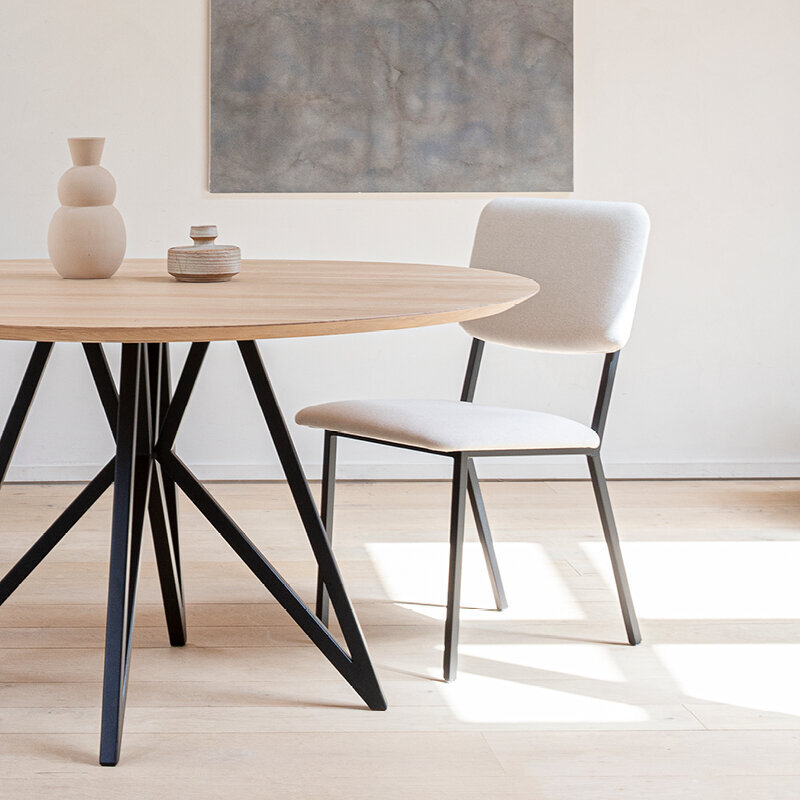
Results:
203 235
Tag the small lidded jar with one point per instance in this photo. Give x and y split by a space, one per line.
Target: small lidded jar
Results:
204 262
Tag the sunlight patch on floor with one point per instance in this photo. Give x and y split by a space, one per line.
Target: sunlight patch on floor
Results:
760 676
480 699
708 580
414 575
555 660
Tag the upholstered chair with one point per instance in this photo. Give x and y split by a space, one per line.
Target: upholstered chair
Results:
587 257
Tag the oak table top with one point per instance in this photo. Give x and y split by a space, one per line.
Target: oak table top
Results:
267 300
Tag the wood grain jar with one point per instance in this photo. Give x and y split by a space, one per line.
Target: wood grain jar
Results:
204 262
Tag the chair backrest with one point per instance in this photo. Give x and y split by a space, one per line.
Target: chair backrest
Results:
587 257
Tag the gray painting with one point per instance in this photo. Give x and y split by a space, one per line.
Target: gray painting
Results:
391 95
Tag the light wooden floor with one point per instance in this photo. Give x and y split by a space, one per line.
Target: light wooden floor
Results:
549 703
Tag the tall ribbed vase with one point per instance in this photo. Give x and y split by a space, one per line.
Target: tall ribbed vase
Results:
86 238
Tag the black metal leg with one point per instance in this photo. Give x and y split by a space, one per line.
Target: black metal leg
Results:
457 510
612 540
104 381
358 673
180 399
145 418
162 508
485 536
126 533
143 467
56 532
361 674
170 492
75 510
326 514
22 404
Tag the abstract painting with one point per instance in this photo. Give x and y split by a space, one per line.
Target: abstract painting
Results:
391 96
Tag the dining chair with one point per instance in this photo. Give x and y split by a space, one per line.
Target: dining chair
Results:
587 257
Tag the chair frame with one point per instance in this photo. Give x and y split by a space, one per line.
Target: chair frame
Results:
465 483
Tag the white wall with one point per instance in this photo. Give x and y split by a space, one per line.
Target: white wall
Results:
687 106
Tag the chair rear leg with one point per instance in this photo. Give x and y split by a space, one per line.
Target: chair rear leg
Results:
457 509
326 514
485 536
612 541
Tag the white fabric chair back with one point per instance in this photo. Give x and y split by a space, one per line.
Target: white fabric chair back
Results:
587 257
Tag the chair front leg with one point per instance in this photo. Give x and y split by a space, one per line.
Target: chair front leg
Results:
326 514
612 541
457 509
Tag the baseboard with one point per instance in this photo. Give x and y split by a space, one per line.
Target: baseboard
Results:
520 469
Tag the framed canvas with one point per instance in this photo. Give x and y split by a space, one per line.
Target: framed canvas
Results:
391 95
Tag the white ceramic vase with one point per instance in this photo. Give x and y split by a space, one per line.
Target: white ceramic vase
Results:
86 238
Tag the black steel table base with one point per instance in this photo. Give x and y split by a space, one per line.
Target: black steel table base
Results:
145 417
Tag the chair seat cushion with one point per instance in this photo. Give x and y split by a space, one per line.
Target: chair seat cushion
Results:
449 426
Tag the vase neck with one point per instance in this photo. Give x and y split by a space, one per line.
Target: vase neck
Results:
86 151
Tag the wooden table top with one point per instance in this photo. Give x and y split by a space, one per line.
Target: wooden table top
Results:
267 300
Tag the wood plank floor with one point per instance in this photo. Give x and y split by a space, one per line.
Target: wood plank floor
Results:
550 703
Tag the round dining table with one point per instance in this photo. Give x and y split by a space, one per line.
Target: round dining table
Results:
145 309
